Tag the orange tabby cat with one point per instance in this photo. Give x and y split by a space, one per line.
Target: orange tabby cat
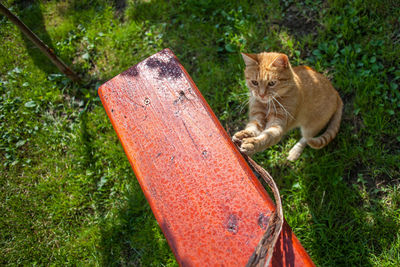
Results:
283 98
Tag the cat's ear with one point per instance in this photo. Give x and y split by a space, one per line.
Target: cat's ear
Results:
282 61
250 59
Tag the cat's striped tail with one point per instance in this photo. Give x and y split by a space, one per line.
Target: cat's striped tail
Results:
331 131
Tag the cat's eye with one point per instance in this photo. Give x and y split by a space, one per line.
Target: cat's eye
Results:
254 82
271 83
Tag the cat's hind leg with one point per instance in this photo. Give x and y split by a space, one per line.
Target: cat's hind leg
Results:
307 133
297 149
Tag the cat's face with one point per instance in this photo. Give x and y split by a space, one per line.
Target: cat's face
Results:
268 75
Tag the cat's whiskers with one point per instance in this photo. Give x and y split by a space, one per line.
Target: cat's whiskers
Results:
273 103
242 106
245 93
284 109
269 105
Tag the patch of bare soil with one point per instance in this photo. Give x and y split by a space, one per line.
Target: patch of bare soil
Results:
120 6
300 19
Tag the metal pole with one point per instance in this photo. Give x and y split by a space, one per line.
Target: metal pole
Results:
42 46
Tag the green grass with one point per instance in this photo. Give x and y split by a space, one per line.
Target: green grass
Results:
67 193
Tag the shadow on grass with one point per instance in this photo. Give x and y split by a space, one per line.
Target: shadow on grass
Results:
77 9
132 237
31 15
115 243
117 246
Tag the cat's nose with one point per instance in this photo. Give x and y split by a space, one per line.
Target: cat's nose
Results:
262 92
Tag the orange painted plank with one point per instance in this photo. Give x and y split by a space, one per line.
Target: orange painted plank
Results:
208 203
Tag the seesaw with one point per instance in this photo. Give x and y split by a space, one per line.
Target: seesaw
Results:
209 204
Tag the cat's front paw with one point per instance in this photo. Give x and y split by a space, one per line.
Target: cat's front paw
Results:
239 136
250 145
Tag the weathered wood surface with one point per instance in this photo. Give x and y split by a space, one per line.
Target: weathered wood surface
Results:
208 203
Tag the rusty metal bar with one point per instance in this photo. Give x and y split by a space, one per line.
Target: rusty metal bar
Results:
39 43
